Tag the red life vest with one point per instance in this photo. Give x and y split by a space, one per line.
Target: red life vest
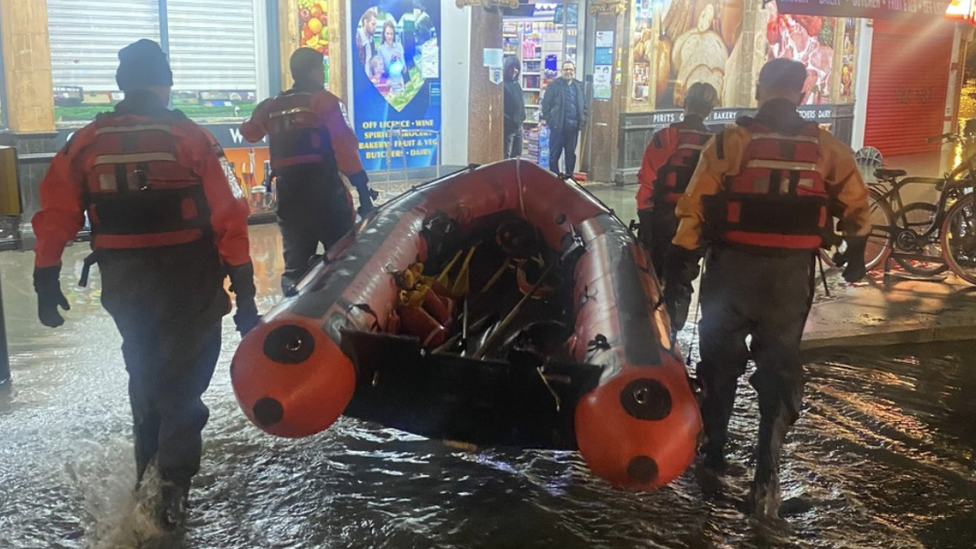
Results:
673 177
297 135
139 193
778 200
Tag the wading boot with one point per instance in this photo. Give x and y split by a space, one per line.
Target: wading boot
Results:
171 507
764 497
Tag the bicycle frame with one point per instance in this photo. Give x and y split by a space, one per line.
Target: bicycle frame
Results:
961 179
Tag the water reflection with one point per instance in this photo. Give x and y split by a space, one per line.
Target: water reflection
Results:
884 452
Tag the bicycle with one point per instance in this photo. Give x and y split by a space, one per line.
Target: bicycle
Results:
922 237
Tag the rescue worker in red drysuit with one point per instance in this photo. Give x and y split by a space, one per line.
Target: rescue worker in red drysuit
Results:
669 160
168 225
310 145
760 202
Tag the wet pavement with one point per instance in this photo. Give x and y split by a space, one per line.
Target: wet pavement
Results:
885 453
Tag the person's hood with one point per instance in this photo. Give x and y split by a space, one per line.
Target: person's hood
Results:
510 63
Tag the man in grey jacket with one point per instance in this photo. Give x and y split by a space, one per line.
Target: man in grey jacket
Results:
564 111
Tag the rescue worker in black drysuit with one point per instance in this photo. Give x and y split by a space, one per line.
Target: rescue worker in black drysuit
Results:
311 144
168 224
758 205
669 160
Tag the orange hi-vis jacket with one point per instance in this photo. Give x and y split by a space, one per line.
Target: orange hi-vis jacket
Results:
669 161
148 178
306 128
746 172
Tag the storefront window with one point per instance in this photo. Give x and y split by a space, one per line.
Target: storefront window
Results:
216 50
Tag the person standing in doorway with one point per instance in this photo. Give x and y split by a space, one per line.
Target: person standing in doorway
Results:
564 111
168 225
759 204
514 108
310 146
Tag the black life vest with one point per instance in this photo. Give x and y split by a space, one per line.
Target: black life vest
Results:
674 176
778 200
139 193
297 137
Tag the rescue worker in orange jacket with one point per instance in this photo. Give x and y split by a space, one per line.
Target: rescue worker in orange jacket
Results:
669 160
310 145
760 202
168 224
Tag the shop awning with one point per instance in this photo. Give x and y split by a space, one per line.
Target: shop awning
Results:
870 9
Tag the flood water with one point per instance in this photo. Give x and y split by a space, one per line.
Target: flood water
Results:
885 452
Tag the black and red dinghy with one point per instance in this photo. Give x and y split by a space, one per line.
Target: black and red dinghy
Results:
499 306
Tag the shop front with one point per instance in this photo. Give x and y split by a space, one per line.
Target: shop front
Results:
675 43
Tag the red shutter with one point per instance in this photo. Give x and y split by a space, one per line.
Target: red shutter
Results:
907 90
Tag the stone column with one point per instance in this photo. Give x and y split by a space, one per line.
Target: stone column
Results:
30 102
486 109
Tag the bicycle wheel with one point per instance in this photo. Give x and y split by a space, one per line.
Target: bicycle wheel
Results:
959 239
918 217
879 239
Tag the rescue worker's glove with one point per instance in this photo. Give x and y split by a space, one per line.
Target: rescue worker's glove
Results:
242 284
47 284
853 257
681 268
645 232
366 195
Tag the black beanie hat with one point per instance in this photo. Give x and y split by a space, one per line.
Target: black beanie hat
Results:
143 64
304 60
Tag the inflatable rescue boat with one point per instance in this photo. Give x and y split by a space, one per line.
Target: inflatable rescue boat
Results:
499 306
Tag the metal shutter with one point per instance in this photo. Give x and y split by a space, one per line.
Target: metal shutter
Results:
86 36
212 44
907 87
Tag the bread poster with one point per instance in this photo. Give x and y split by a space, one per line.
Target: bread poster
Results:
697 42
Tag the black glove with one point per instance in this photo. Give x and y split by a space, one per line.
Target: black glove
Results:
360 182
854 258
681 268
47 284
242 284
645 233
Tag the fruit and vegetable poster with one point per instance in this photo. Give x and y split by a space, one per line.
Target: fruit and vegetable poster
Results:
396 81
313 19
808 39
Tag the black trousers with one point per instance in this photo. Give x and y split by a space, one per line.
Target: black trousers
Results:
310 212
563 139
167 304
513 144
657 228
768 298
